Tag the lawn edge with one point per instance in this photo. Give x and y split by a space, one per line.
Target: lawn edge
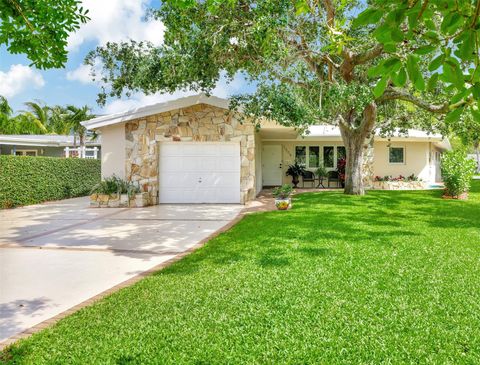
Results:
10 341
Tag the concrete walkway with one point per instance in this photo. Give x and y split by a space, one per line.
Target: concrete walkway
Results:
56 255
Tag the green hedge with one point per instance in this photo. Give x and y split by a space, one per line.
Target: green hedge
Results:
30 180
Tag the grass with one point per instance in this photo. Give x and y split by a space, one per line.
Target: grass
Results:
392 277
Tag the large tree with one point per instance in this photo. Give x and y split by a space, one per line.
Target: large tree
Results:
40 28
315 61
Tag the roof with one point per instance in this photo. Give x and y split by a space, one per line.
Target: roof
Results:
42 140
163 107
412 135
316 131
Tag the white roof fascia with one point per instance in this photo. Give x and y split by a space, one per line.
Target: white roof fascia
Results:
155 109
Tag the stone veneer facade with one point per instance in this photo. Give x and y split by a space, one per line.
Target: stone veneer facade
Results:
198 123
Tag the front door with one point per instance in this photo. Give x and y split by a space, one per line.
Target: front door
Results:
272 165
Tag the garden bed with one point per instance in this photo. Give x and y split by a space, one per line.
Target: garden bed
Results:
120 200
399 185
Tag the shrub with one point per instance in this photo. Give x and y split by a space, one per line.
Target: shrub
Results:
457 172
115 185
282 192
30 180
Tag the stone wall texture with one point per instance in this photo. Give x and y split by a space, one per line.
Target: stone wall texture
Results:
198 123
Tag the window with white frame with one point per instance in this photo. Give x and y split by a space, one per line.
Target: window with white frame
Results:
396 155
313 156
301 155
328 156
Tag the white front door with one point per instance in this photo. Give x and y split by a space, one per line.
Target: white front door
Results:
199 172
272 165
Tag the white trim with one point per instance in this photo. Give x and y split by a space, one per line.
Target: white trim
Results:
144 111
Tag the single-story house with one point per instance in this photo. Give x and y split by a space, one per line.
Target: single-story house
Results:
48 145
193 150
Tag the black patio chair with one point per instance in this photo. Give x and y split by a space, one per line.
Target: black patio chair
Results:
333 177
308 176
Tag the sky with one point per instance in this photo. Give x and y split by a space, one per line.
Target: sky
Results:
111 20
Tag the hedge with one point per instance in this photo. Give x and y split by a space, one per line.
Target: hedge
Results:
31 180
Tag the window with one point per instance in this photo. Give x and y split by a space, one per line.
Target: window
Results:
328 156
396 155
313 156
25 152
341 152
301 154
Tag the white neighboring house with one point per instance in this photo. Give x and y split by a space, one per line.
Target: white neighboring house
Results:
474 157
193 150
47 145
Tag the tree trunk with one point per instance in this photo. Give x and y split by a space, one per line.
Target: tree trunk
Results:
355 140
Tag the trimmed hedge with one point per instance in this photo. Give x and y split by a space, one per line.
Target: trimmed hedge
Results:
31 180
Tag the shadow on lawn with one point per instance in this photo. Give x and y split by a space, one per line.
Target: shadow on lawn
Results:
321 222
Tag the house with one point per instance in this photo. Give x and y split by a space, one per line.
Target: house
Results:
193 150
48 145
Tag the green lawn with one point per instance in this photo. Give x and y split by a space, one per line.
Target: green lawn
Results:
392 277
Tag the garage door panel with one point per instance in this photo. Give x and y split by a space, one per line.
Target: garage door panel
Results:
200 172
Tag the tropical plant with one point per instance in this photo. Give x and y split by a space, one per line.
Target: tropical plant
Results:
282 192
115 185
457 172
346 63
321 171
341 165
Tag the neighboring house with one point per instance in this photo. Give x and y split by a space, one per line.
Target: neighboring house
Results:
474 157
192 150
49 145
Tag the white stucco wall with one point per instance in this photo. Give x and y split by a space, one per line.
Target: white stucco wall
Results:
417 160
113 150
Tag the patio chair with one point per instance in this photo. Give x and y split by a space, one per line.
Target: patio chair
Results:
308 176
333 177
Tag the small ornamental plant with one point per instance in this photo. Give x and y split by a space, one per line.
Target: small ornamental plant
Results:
282 196
457 173
341 165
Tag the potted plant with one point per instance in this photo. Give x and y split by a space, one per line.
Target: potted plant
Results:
295 171
282 196
322 173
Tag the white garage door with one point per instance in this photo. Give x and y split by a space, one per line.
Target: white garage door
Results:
199 172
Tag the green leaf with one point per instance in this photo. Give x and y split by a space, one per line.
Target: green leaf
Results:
393 64
454 115
414 73
301 7
432 82
397 35
425 50
451 22
369 16
466 50
436 63
400 79
380 87
390 47
476 91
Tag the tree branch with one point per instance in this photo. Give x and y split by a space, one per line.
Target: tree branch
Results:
397 94
361 58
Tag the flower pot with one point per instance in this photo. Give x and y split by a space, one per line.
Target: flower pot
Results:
283 203
295 181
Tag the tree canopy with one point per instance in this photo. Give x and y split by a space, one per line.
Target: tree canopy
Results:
340 62
40 28
39 118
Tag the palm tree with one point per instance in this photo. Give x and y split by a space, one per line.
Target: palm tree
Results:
39 115
74 118
5 116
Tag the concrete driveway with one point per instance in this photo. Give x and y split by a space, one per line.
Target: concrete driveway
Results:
56 255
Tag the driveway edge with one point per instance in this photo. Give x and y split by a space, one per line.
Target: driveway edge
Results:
51 321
